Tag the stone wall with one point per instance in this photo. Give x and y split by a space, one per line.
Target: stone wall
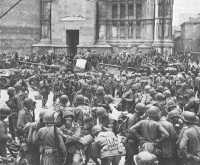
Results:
20 28
63 10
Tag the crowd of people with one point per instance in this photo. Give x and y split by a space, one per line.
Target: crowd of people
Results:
97 116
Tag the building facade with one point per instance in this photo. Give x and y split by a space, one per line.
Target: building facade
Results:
106 26
20 27
190 35
188 38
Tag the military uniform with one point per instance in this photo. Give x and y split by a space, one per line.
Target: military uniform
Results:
24 117
168 145
52 147
15 105
44 91
150 132
189 140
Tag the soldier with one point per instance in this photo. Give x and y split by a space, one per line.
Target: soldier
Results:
4 136
149 132
128 100
56 90
85 91
189 139
63 103
71 133
25 116
168 145
131 142
15 105
106 146
99 98
44 91
52 147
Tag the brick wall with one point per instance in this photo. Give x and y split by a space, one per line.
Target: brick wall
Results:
20 28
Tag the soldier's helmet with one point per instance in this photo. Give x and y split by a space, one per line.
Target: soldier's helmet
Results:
11 91
64 99
101 112
4 111
171 104
154 113
140 108
173 114
160 97
108 98
146 158
152 92
167 93
190 117
147 88
68 114
28 102
96 129
79 100
100 90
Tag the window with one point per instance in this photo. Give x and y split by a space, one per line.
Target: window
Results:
45 19
130 11
138 10
114 30
130 30
138 29
123 19
122 11
114 11
122 30
161 11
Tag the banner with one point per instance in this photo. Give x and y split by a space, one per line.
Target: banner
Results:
80 64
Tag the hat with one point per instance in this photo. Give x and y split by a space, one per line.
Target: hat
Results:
100 90
79 100
68 113
190 117
5 111
167 93
147 88
64 99
28 103
96 129
11 91
172 114
160 97
100 112
171 104
154 113
140 108
108 98
146 157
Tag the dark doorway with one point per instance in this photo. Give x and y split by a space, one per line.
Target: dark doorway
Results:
72 38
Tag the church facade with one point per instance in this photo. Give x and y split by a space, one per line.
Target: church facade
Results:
106 26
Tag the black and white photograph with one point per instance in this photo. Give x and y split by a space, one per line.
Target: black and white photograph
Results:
99 82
